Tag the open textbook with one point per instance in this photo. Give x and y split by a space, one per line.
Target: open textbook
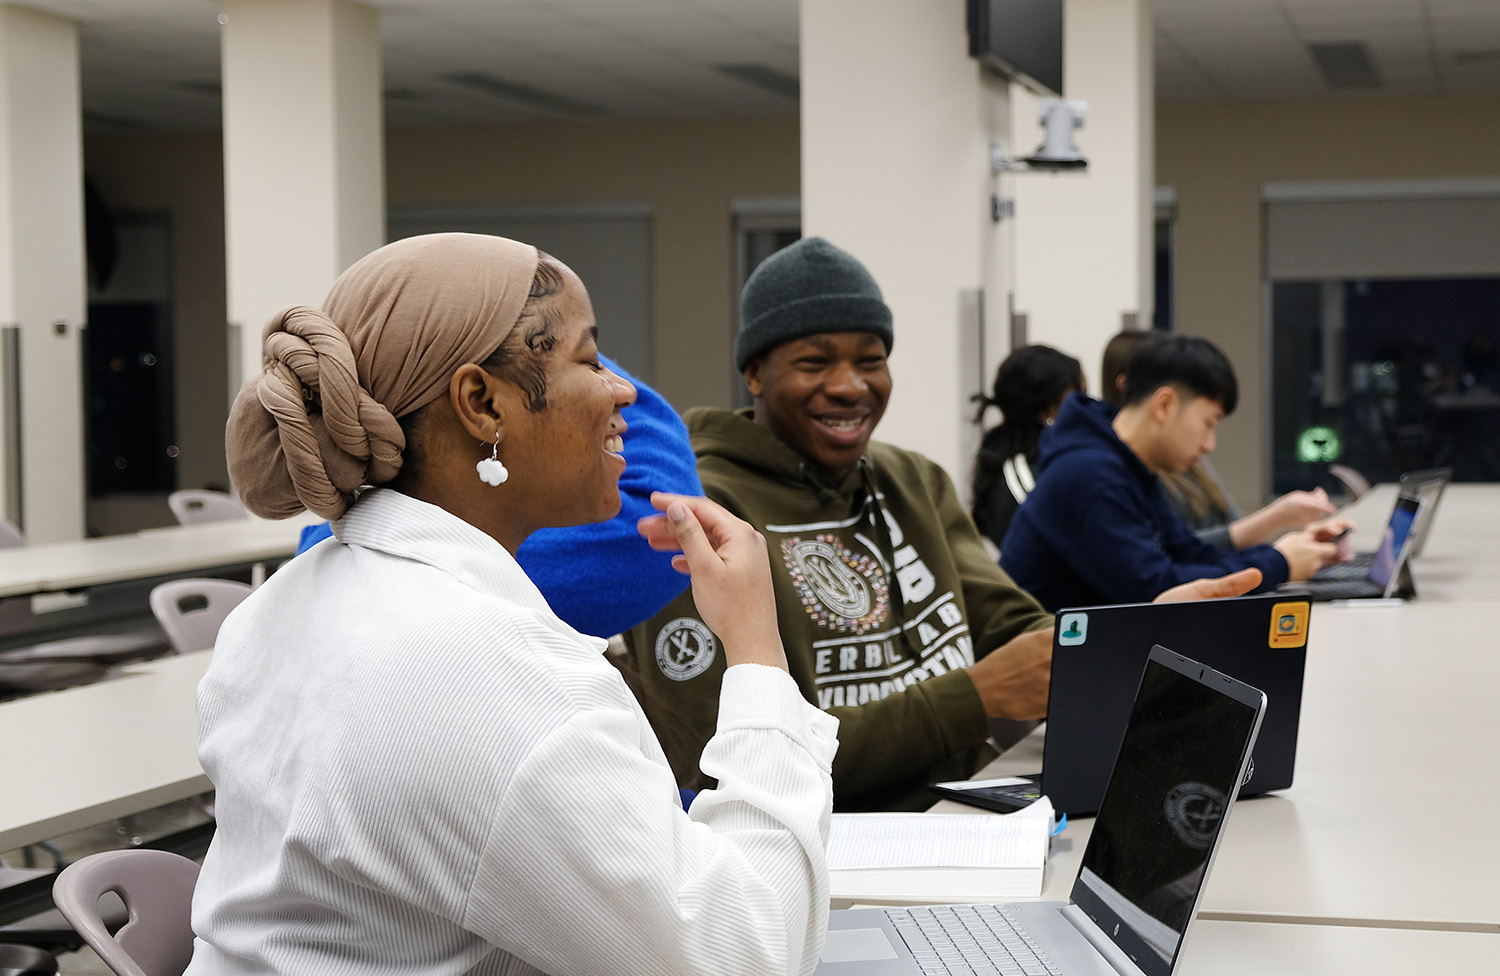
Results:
939 857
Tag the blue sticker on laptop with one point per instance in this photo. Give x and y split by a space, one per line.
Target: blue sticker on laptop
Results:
1073 629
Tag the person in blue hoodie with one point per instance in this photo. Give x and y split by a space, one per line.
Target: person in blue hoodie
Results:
1098 528
603 579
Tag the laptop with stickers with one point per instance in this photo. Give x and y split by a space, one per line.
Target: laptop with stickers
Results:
1186 749
1097 654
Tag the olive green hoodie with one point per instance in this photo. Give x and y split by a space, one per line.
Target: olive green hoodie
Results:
884 593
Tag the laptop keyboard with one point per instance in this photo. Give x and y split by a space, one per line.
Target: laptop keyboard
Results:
1357 568
1344 589
969 940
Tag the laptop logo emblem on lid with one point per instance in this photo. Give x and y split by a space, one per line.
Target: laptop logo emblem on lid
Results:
1073 630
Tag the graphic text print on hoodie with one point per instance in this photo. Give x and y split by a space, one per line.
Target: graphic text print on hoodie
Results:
884 594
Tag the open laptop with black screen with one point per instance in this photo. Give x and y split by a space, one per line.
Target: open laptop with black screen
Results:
1097 656
1426 486
1186 750
1389 574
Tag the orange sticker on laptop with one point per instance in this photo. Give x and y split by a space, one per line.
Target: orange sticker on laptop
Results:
1289 624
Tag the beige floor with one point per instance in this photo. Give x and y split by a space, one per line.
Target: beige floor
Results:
82 963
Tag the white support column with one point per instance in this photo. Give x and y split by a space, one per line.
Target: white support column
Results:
896 126
42 289
1084 245
304 172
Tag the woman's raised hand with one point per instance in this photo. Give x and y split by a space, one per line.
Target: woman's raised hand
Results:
731 574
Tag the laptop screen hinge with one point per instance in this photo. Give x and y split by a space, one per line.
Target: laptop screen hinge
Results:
1113 954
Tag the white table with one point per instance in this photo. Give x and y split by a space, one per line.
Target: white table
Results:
51 567
1380 858
87 755
1461 561
1257 949
1395 781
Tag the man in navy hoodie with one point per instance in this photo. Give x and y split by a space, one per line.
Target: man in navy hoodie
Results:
1098 527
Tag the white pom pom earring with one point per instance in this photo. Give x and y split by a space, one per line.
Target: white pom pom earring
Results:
491 471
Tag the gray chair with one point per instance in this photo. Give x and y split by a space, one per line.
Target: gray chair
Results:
157 888
194 505
1355 485
191 610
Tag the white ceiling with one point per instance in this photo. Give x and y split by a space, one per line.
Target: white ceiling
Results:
153 64
1247 49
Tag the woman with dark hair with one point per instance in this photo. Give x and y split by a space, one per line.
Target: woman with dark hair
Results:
1117 352
1030 387
420 768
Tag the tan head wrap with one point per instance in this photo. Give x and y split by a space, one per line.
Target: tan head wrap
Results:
320 420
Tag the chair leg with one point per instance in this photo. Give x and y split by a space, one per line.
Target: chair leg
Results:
53 849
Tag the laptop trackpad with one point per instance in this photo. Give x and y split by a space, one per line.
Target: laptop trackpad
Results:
857 945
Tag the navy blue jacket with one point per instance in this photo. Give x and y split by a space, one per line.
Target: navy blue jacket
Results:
1098 527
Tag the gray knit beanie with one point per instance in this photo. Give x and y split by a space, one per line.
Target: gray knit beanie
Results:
804 289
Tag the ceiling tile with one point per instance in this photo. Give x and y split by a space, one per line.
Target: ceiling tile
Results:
657 56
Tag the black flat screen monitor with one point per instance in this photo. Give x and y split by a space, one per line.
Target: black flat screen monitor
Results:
1020 40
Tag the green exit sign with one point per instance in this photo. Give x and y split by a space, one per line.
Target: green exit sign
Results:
1319 444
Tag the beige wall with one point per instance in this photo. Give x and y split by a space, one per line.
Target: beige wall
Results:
1083 240
302 126
1218 156
41 272
896 170
688 171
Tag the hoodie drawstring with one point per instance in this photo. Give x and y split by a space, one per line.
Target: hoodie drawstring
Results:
887 550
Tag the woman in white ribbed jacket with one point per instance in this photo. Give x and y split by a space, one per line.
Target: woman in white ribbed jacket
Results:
420 769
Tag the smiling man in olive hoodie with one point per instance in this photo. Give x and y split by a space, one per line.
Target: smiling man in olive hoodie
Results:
888 603
893 615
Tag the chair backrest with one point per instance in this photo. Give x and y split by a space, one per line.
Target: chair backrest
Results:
191 610
157 889
193 505
1355 484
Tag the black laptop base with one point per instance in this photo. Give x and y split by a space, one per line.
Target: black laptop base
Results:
1002 799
